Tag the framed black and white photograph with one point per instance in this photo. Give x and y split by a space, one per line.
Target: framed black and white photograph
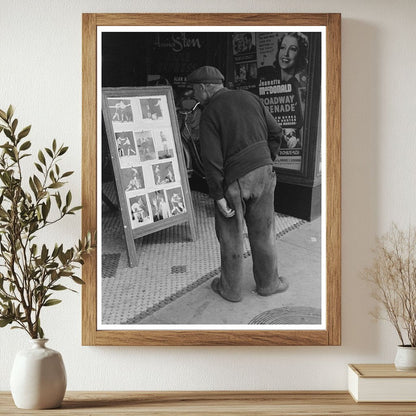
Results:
146 192
120 111
132 178
145 145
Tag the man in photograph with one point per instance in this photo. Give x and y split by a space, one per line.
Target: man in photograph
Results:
248 43
239 140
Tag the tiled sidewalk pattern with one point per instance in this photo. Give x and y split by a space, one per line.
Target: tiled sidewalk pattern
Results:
171 264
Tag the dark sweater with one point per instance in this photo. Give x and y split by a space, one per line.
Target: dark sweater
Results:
237 135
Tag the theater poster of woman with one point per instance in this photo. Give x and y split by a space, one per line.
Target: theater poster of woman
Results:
282 75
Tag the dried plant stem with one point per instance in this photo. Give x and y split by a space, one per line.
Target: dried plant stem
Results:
393 277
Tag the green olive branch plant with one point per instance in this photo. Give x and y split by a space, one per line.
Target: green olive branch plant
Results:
31 274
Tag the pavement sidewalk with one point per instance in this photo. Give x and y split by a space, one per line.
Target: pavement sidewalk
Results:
299 261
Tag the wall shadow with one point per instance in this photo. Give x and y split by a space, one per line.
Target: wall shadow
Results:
361 49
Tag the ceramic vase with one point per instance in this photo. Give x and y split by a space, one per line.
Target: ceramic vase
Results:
38 377
405 358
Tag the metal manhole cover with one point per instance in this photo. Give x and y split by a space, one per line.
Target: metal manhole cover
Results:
293 315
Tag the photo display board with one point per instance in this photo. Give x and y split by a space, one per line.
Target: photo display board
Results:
147 158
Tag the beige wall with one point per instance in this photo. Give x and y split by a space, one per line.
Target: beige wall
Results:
40 73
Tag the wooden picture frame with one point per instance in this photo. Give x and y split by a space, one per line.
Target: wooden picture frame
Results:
331 333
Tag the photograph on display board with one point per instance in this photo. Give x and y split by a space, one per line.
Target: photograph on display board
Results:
125 144
283 70
175 200
132 178
151 109
139 211
163 173
120 110
165 143
145 145
160 207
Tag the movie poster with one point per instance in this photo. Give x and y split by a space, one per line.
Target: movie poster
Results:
245 61
282 80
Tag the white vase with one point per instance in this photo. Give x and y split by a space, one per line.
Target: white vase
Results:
405 358
38 377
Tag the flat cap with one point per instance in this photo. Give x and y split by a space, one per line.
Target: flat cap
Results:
206 74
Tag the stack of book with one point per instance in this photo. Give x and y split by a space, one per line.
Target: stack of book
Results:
381 383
